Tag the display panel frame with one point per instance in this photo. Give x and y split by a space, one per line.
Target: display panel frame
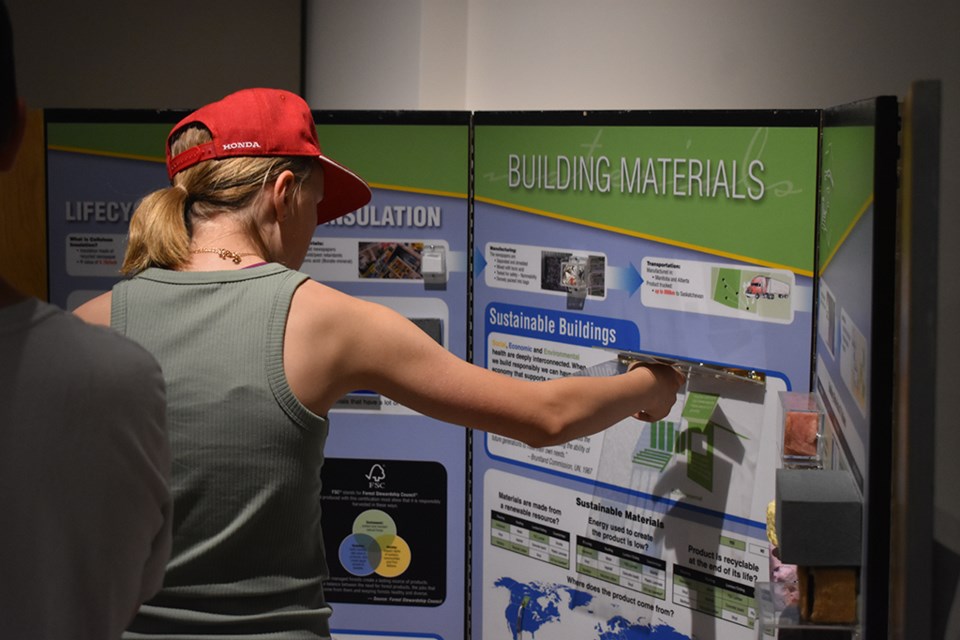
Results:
859 182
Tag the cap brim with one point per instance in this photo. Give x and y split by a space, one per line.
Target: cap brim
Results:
343 191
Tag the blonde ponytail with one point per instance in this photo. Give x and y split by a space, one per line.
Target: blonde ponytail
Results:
158 232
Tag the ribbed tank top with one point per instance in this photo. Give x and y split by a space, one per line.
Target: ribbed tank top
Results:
248 553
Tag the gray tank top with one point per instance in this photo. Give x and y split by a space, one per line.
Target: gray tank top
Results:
248 553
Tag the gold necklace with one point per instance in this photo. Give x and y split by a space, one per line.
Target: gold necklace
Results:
224 254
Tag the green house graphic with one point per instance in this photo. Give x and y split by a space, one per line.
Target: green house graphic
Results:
695 442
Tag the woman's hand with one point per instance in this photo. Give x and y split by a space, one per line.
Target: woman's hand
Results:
663 382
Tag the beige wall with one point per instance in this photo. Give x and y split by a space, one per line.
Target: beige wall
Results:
152 55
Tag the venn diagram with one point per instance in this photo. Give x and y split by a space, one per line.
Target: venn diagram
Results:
374 546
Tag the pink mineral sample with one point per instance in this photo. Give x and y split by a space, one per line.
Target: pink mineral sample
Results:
800 433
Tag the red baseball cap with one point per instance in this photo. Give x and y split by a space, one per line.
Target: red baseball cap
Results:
270 122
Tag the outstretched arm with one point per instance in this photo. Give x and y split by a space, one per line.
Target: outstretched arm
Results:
336 344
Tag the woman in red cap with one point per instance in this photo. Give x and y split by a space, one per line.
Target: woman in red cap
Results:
255 353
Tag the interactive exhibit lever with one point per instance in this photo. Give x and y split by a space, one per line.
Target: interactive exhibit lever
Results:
692 368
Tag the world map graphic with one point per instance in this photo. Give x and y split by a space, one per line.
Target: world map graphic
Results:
537 607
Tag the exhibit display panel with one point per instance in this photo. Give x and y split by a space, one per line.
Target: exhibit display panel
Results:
755 248
676 234
854 373
395 482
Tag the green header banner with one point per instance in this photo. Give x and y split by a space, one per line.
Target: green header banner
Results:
422 158
742 192
846 189
139 141
430 159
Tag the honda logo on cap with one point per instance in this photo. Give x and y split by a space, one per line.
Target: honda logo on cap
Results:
241 145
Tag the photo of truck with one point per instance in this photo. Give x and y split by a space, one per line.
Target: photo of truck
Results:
767 287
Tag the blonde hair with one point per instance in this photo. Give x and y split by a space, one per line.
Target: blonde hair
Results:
161 226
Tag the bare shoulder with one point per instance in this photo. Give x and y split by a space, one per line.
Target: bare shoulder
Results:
96 311
317 303
323 330
321 311
341 327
